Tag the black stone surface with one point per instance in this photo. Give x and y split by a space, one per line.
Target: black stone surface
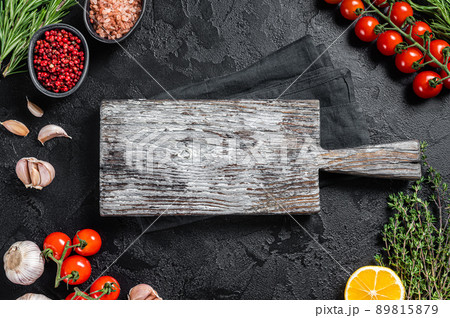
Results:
182 42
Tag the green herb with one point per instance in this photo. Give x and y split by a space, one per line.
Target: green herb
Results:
436 14
417 236
19 20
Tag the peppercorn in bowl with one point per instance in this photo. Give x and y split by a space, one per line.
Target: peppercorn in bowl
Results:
112 21
58 60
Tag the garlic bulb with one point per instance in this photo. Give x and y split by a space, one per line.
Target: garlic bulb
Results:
31 296
35 173
23 263
143 292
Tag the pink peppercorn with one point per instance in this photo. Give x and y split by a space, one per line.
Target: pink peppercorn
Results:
60 54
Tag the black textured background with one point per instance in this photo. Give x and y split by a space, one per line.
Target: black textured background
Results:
182 42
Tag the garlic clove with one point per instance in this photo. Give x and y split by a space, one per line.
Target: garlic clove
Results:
22 172
34 173
51 131
23 263
16 127
154 296
143 292
31 296
34 109
46 173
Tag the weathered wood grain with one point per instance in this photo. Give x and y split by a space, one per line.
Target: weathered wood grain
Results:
398 160
226 157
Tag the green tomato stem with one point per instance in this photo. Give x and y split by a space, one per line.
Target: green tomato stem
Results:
107 289
79 293
48 253
60 279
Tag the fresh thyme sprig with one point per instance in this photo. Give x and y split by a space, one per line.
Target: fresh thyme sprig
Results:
417 236
19 20
436 13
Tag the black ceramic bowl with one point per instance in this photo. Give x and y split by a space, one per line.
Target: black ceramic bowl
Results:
90 27
40 35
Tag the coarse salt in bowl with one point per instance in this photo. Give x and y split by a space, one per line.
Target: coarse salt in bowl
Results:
112 21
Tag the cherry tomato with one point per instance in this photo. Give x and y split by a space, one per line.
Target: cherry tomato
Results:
93 240
348 8
400 11
333 1
447 81
365 29
56 242
421 84
387 41
405 60
381 3
100 283
418 29
80 266
70 296
436 47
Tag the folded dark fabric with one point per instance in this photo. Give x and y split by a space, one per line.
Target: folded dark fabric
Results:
309 73
288 62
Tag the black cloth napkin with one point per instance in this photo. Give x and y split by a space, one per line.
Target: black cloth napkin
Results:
309 73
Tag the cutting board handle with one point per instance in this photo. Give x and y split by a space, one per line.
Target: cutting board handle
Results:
400 160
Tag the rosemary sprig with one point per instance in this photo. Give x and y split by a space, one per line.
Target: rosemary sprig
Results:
417 236
436 13
19 20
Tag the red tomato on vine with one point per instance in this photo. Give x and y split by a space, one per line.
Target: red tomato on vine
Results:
93 240
348 8
101 283
78 266
56 242
381 3
400 11
444 75
418 29
70 296
436 49
365 29
422 86
406 59
387 41
333 1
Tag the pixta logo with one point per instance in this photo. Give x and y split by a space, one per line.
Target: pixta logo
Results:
151 150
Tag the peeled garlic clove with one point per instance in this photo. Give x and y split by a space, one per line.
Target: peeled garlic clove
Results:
16 127
143 292
51 131
35 173
23 263
34 109
22 172
31 296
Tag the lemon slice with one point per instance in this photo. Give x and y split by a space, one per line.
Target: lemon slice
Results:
374 283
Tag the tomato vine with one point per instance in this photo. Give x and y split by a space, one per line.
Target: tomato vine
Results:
396 36
76 269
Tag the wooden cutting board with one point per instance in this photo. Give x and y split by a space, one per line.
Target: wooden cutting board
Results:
227 157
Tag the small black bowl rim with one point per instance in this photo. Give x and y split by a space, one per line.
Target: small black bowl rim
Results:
94 34
36 36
